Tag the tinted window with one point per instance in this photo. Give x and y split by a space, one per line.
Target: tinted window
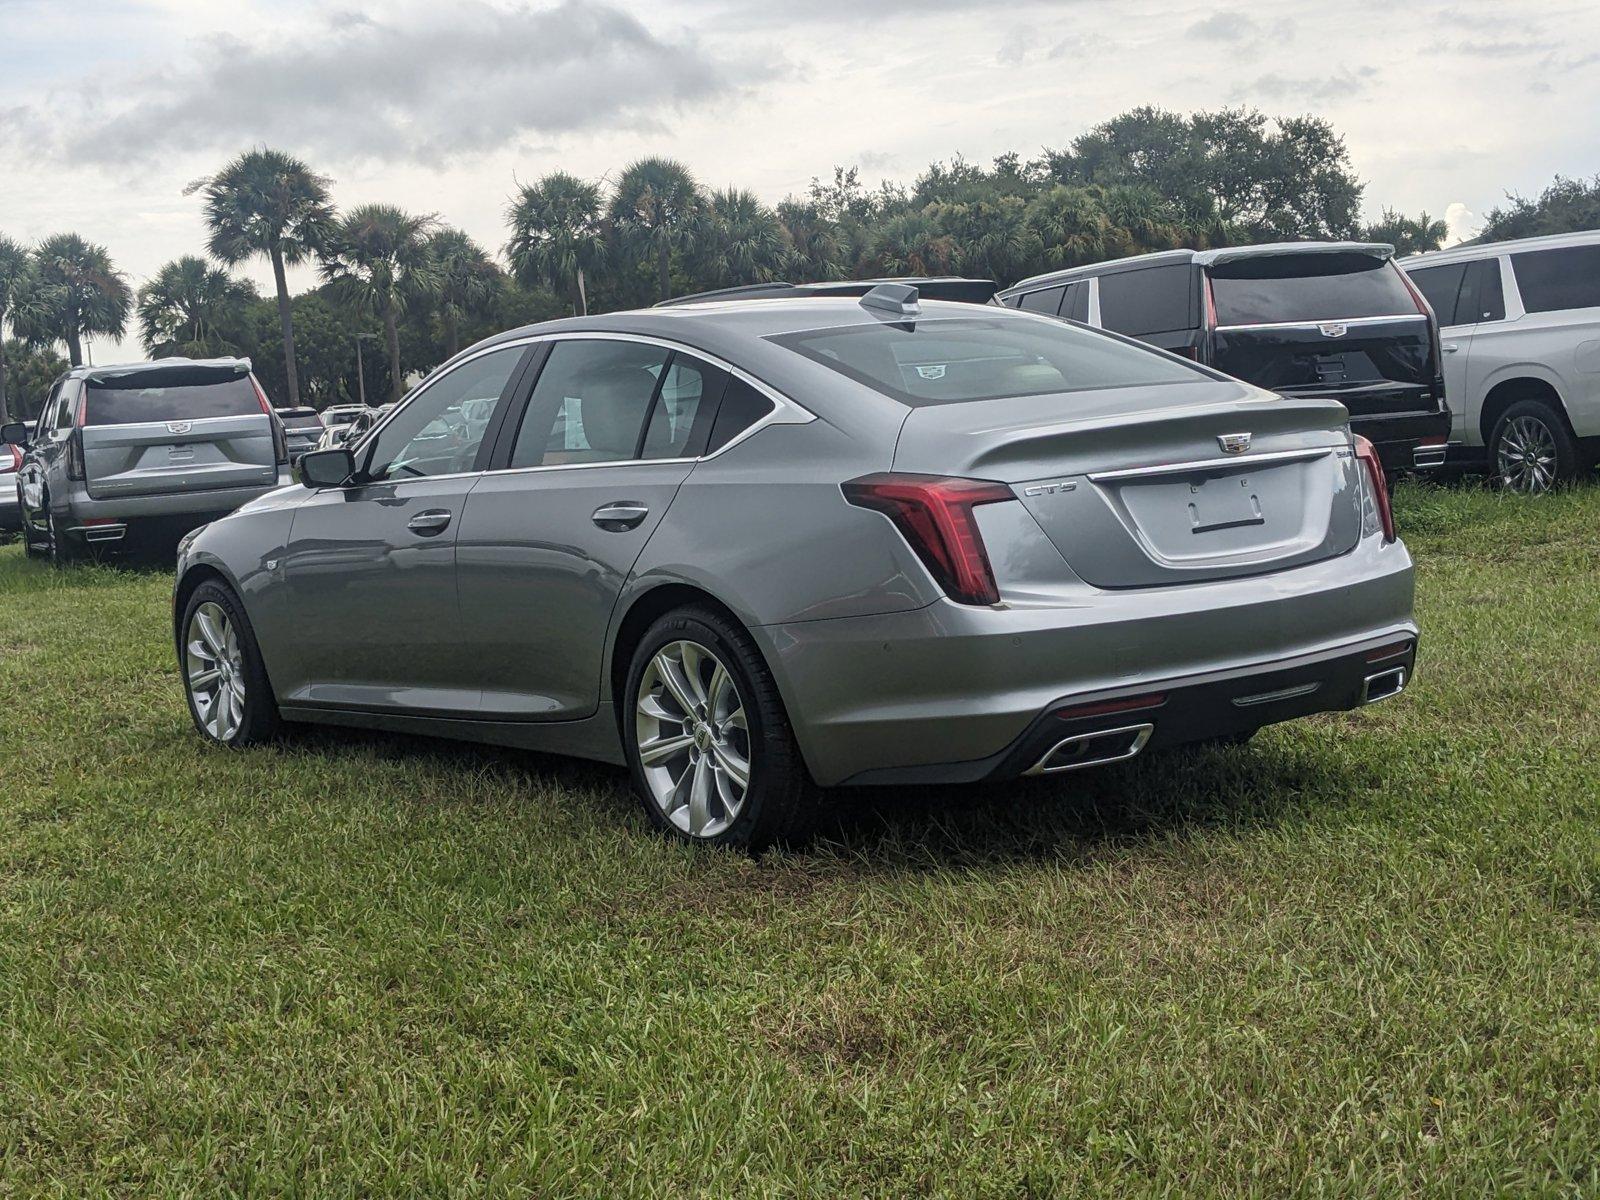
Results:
742 406
111 405
952 361
1551 280
682 411
439 429
1481 296
1275 288
1076 305
1440 286
1047 301
590 403
1152 300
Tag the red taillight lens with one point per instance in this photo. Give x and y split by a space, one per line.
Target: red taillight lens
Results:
934 515
280 439
1380 488
1107 707
75 468
1426 310
1211 305
10 461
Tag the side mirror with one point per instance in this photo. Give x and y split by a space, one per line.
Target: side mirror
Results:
327 468
14 433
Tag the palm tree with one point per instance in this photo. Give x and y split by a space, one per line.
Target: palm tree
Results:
270 203
815 251
73 291
379 262
654 210
912 243
557 235
1071 225
994 237
193 308
14 270
467 281
740 240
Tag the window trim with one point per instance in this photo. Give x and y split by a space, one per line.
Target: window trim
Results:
785 411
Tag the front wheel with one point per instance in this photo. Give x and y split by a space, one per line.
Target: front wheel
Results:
224 677
1531 450
709 745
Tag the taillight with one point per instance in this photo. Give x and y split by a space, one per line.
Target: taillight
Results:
10 461
280 439
1377 490
75 469
1211 305
934 514
1426 310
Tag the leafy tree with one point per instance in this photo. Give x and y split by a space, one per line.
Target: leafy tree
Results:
557 235
31 372
378 258
194 309
1408 235
1566 206
740 240
327 336
912 243
467 282
992 236
655 211
269 203
73 291
815 252
15 266
1071 225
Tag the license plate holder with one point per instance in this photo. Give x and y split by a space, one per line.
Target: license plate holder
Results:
1226 503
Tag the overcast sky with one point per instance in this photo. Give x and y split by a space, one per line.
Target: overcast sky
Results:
108 109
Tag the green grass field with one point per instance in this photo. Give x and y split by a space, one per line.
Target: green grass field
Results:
1360 956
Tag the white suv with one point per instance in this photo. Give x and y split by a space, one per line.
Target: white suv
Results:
1519 324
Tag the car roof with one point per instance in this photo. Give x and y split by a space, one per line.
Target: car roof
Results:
1469 251
1203 258
155 365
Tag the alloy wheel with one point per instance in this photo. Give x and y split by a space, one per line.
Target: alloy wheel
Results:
693 739
214 671
1526 456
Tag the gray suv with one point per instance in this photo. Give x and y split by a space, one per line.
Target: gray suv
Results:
750 547
164 445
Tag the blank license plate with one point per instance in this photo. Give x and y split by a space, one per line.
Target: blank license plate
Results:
1224 503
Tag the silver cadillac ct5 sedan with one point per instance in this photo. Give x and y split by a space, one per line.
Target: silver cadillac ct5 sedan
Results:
756 546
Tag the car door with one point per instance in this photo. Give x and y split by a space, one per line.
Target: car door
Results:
371 566
608 435
44 467
1470 348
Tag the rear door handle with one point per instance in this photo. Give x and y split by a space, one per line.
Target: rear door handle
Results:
430 521
1449 347
620 515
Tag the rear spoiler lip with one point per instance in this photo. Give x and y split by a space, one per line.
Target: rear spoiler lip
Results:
1210 258
192 372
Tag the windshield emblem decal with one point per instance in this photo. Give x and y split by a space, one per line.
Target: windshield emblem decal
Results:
934 372
1334 329
1233 443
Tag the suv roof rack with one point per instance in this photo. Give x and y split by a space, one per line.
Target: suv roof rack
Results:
932 287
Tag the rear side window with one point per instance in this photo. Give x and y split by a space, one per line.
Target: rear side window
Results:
742 406
1279 288
959 360
1482 298
1152 300
689 394
1076 306
1047 301
1440 286
112 405
1552 280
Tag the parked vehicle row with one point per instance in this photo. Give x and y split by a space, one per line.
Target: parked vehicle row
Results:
747 548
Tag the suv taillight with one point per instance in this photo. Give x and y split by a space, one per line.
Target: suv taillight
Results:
75 470
1377 486
280 439
934 514
1426 310
10 459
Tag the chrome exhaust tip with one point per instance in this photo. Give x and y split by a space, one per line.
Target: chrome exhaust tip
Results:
101 533
1383 685
1094 749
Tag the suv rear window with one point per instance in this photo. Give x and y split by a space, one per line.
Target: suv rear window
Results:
958 360
1279 288
112 405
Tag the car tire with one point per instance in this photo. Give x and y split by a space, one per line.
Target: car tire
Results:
1531 450
685 757
224 678
59 547
31 546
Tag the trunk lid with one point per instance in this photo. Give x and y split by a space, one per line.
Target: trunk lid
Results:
159 429
1134 487
1372 367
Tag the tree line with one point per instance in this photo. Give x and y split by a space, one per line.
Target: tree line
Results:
402 291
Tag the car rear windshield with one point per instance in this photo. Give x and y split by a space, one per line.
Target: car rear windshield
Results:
1278 288
109 404
958 360
303 419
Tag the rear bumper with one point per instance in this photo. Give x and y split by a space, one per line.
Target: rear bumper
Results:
950 691
1396 437
201 505
10 508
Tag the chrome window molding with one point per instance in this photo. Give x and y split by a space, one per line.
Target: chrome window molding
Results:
784 410
1347 321
1202 464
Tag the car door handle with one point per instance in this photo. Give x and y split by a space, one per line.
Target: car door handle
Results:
430 521
620 515
1449 347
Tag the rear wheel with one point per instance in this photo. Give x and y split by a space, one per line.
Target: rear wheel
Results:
709 744
59 546
35 544
224 678
1531 450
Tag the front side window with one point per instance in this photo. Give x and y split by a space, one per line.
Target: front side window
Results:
1553 280
590 403
438 431
1047 301
958 360
1275 289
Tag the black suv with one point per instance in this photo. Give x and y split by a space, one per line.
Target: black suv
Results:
1326 319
